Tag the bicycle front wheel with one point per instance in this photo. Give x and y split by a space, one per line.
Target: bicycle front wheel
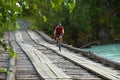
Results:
59 45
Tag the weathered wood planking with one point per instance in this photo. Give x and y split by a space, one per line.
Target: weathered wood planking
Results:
42 64
12 64
27 77
101 70
23 62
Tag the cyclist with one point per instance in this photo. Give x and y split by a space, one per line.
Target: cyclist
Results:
59 32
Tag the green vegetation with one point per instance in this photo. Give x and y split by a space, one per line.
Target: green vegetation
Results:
84 20
90 20
11 54
9 11
31 21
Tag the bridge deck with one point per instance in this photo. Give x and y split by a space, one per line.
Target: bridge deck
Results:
43 65
95 67
47 62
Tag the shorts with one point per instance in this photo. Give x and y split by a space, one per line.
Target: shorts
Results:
58 35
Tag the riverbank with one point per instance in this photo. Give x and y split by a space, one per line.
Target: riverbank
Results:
98 42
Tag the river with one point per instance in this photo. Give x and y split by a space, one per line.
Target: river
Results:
109 51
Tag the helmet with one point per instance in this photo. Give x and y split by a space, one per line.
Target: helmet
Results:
59 24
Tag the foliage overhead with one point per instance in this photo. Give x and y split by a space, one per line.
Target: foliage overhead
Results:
84 21
79 17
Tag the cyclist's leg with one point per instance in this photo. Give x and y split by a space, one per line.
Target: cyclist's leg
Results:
56 40
60 38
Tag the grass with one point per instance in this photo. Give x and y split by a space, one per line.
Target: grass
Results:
31 20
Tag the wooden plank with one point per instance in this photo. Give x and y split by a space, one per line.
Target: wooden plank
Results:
12 65
92 66
27 77
2 76
19 37
49 67
42 64
101 70
109 74
40 67
29 51
59 73
12 69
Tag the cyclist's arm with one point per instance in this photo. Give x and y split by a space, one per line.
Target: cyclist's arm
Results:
55 32
63 31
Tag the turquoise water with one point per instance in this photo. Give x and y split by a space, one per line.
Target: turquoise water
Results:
110 51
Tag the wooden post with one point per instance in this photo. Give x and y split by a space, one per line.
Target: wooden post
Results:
12 67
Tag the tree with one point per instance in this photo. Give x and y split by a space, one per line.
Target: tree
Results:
8 13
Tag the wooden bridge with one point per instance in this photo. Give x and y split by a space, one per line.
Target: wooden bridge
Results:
40 59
